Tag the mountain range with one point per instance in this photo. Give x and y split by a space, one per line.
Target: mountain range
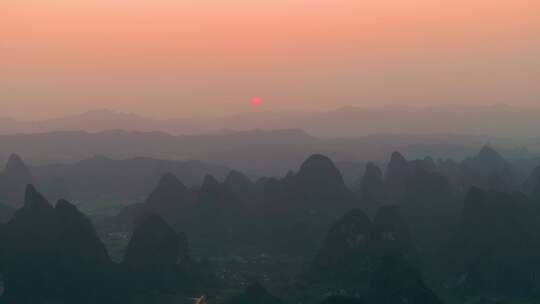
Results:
496 120
419 230
255 152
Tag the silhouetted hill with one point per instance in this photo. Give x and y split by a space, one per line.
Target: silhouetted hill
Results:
153 253
345 260
210 212
425 190
250 150
372 186
219 212
36 217
469 245
305 203
489 170
168 191
497 243
372 189
13 181
52 254
414 179
353 246
278 214
171 199
242 186
398 170
100 178
318 185
319 169
77 238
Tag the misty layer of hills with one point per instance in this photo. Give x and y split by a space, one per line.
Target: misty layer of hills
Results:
497 120
99 178
255 152
412 231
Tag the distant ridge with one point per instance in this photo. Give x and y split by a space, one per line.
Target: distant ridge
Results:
255 152
346 121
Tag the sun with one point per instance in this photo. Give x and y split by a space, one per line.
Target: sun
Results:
256 101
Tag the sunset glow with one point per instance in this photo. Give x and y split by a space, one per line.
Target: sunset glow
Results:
270 151
256 101
70 56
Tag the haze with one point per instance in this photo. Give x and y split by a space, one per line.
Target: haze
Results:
165 58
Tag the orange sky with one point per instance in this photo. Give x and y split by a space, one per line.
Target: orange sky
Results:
170 58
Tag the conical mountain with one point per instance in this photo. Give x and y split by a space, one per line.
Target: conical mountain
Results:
397 170
488 155
17 169
214 194
35 200
488 170
154 246
219 211
417 180
427 181
52 252
475 234
496 243
295 212
319 187
62 229
153 255
316 190
320 170
237 180
372 186
373 189
495 223
171 198
210 185
36 218
77 238
169 191
241 185
13 181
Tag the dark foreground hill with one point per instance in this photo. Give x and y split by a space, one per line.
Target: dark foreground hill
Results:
52 254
